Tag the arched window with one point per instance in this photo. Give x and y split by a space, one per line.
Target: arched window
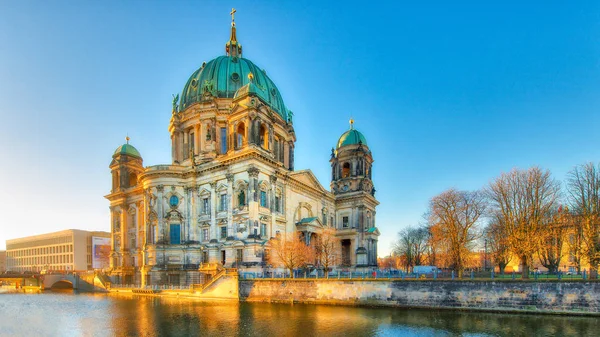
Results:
263 137
240 136
132 179
346 170
115 180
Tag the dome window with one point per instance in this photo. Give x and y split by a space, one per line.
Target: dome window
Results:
273 92
194 83
235 77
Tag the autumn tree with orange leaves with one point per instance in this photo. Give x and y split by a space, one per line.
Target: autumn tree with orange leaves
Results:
521 202
455 215
290 252
328 249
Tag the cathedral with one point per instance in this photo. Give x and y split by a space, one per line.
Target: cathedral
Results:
232 186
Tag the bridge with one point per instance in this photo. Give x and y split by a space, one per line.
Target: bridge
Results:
60 281
84 281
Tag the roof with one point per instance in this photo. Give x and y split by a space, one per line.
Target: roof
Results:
351 137
223 76
127 149
306 220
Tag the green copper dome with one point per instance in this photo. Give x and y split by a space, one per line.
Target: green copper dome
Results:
351 137
223 76
128 150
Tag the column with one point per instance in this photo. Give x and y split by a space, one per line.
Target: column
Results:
230 229
194 235
213 211
269 232
197 139
291 156
113 262
181 146
270 141
124 228
286 154
253 183
188 213
160 213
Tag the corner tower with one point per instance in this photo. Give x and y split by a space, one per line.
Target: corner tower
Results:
351 169
351 164
126 166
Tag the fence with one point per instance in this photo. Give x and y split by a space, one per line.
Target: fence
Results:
401 275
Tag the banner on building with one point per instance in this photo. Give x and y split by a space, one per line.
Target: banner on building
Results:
100 252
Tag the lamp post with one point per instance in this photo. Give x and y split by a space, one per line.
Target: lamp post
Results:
485 254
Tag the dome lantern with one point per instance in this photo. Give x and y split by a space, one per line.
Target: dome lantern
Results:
232 47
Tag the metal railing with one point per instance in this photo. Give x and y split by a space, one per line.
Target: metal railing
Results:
401 275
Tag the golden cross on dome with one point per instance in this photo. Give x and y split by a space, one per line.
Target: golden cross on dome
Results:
351 123
127 139
232 14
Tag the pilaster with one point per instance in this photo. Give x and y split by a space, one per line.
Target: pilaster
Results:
213 210
230 230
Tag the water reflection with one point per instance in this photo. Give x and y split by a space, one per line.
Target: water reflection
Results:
102 315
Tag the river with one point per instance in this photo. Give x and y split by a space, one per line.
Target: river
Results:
69 314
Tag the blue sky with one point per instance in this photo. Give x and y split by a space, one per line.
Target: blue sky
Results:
448 95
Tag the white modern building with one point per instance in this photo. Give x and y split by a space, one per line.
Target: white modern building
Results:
68 250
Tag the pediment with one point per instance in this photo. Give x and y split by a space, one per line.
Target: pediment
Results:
308 178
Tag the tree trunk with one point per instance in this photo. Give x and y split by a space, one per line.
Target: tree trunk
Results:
524 269
292 273
502 266
593 272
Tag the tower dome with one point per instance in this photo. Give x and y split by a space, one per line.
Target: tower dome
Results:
351 137
223 76
127 149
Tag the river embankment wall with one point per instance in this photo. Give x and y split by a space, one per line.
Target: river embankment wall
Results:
558 297
224 288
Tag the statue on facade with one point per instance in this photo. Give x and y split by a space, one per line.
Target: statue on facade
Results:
175 101
242 199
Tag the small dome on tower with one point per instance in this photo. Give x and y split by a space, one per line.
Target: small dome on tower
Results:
127 149
351 137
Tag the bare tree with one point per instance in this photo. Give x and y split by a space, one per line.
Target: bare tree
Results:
521 199
498 242
328 249
410 246
290 252
552 236
455 215
583 184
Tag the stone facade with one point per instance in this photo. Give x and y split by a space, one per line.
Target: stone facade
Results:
231 186
2 261
543 297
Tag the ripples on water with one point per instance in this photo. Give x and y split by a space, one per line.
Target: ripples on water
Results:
68 314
